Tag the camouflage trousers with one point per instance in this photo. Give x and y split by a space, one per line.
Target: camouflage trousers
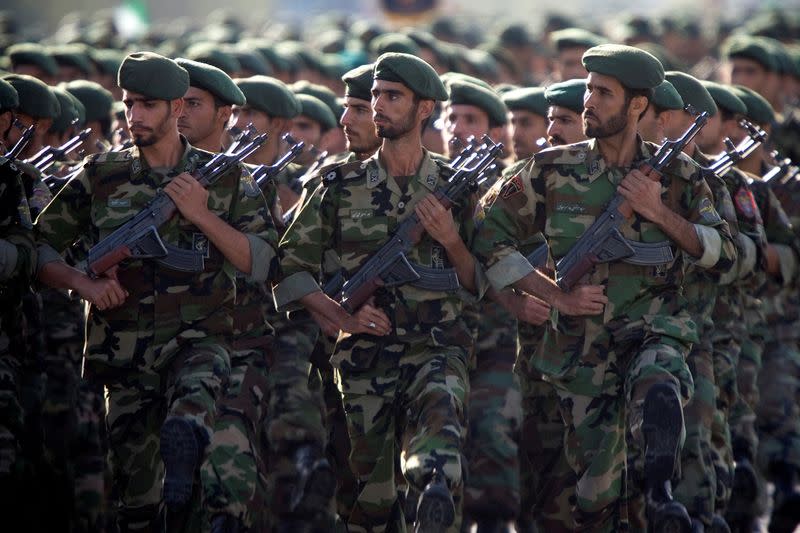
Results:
603 441
778 411
11 416
229 472
138 402
697 487
726 356
405 400
494 414
743 416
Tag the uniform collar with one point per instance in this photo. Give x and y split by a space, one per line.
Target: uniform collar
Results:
187 162
596 166
427 173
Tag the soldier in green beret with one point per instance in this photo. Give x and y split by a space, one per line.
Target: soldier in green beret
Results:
731 110
403 392
37 105
213 54
158 337
471 111
750 62
527 110
207 105
565 101
97 104
73 63
34 60
621 393
356 119
666 104
570 45
311 126
335 142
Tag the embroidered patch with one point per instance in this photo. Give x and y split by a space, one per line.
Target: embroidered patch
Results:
512 187
136 166
119 202
330 176
249 185
572 209
200 244
431 180
707 212
746 204
360 213
373 175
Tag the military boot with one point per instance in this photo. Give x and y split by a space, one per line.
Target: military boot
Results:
786 499
225 523
435 511
316 481
180 452
662 424
742 511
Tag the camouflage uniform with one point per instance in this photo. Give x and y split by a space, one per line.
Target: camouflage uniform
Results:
603 366
164 351
697 488
403 394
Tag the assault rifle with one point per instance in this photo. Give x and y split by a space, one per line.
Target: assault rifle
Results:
49 155
139 238
25 138
264 173
603 242
733 154
389 266
781 173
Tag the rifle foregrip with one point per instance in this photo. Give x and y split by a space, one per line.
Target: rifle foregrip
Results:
352 301
114 257
567 280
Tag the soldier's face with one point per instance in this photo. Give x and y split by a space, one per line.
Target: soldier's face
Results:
605 110
201 118
307 130
569 63
462 121
747 72
710 136
564 126
359 130
526 128
395 110
244 115
150 120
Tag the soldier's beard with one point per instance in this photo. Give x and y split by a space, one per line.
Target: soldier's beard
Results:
555 140
394 131
157 132
614 125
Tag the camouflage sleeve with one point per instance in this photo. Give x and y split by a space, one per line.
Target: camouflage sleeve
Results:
719 249
303 247
66 219
17 256
724 206
250 215
781 234
516 214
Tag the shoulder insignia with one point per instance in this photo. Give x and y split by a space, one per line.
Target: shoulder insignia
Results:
746 204
345 171
512 187
249 185
707 212
120 157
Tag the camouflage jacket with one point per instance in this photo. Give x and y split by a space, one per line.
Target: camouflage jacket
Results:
353 213
560 193
165 309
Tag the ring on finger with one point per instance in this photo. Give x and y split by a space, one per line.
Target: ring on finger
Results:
372 325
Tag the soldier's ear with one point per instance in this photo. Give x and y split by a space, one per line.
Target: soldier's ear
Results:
426 108
176 107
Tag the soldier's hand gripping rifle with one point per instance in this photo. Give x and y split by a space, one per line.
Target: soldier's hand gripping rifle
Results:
264 173
138 238
603 242
50 155
389 266
733 154
25 138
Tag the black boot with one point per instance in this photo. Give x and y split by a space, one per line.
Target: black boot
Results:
742 508
435 511
316 481
225 523
662 424
786 499
180 452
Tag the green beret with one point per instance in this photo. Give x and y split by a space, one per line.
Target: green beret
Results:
67 111
751 48
758 109
575 38
94 97
321 92
316 110
80 109
393 42
668 60
212 54
35 97
666 96
358 82
527 99
504 88
412 72
514 36
73 56
269 95
633 67
783 60
264 47
107 60
153 76
9 99
454 77
567 94
725 98
32 54
251 61
466 93
211 79
692 92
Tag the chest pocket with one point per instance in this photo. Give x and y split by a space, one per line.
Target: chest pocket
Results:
111 214
564 229
360 235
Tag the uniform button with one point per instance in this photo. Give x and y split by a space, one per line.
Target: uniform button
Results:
401 205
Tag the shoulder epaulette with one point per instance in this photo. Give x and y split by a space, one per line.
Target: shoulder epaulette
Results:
345 171
119 157
571 154
515 167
